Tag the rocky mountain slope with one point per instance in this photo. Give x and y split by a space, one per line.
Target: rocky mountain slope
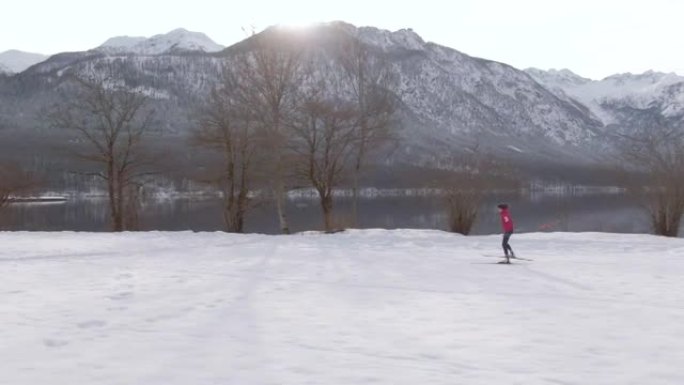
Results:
450 100
624 100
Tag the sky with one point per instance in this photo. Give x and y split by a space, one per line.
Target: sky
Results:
594 38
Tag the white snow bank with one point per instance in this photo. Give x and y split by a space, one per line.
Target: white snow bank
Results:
362 307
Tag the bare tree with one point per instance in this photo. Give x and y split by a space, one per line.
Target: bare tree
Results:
371 81
112 121
475 174
326 134
463 205
226 125
13 182
269 73
658 153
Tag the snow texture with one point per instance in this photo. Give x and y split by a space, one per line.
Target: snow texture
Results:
664 91
123 42
361 307
14 61
178 40
386 40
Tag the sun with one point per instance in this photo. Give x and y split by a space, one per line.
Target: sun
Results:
299 23
295 18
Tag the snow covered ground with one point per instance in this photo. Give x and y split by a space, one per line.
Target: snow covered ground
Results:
362 307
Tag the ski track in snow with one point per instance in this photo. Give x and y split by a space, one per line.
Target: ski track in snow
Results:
361 307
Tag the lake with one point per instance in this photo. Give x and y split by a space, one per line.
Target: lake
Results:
531 212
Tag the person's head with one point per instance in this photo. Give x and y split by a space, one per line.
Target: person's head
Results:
502 206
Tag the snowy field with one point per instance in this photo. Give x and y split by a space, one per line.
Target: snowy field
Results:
362 307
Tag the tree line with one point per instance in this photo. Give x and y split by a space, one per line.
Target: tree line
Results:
295 115
283 113
287 114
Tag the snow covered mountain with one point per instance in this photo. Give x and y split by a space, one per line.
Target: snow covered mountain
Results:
461 97
122 43
14 61
618 99
450 100
178 40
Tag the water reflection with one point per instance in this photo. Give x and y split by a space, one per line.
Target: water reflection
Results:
607 212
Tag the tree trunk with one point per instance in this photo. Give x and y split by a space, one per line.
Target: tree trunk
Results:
355 198
280 206
357 171
119 222
234 214
240 216
243 199
327 207
228 217
112 188
130 217
280 196
666 215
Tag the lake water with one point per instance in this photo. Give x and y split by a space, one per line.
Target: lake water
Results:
595 212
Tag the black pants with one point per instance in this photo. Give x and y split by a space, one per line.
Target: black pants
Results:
506 246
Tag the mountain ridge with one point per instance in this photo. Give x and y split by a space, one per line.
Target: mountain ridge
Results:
178 39
450 100
15 61
606 97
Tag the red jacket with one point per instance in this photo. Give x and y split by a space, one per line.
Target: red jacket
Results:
506 221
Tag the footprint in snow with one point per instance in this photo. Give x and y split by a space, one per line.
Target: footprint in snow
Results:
52 343
120 296
92 324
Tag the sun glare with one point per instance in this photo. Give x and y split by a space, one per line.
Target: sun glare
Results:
298 21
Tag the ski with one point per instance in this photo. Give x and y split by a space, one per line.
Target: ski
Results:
503 263
503 256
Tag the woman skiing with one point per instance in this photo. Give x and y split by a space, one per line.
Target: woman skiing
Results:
507 226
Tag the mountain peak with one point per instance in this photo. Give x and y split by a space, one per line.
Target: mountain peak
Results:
384 39
605 97
559 77
404 38
179 39
649 77
179 31
122 42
